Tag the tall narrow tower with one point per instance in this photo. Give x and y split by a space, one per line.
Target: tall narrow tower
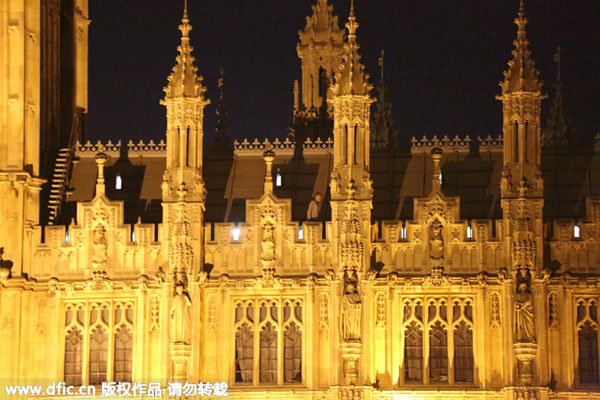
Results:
521 100
19 129
320 49
351 197
522 192
183 188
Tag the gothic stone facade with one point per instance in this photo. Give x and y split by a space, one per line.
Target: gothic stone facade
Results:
435 306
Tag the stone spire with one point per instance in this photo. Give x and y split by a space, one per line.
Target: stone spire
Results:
320 49
184 80
557 130
383 133
521 75
351 79
222 112
521 102
185 102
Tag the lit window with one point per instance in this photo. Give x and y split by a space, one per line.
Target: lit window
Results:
278 180
403 231
300 233
132 235
576 231
440 177
118 182
236 233
469 231
67 235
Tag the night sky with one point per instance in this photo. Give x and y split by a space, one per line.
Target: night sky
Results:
444 59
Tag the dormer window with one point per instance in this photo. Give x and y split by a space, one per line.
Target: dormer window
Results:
278 180
576 231
469 231
118 182
236 233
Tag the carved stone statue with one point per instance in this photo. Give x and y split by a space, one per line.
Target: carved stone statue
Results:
436 244
524 324
351 309
268 243
181 316
99 253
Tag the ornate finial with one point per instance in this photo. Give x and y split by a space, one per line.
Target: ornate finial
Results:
184 81
269 157
100 184
185 26
521 75
351 77
436 181
352 25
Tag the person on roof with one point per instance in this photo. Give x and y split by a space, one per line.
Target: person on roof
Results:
314 207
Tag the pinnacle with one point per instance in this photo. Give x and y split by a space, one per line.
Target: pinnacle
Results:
351 78
521 75
184 81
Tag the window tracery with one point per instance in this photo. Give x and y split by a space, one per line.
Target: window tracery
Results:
270 331
99 335
587 341
446 335
463 340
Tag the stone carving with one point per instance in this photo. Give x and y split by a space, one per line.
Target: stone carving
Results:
525 394
351 393
212 313
5 267
99 247
323 311
99 281
524 323
436 278
380 311
181 316
268 250
553 311
154 314
351 308
495 311
53 286
436 244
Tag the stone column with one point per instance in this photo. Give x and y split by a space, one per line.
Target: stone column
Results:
180 355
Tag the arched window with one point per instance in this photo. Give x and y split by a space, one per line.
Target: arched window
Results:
413 353
587 341
292 354
278 180
98 356
588 353
236 233
403 230
244 354
300 232
463 353
469 231
576 231
268 354
118 182
73 357
123 355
